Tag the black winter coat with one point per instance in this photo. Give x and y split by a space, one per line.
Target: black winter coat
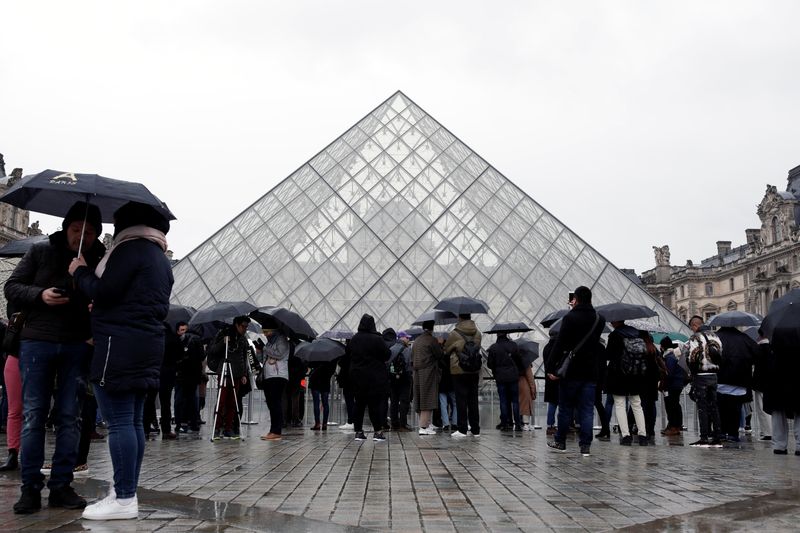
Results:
189 368
503 360
319 378
238 351
550 386
368 356
783 368
617 383
131 301
739 354
574 327
44 266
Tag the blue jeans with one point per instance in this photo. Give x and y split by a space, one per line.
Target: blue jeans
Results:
42 365
572 395
508 393
318 397
446 398
123 412
551 414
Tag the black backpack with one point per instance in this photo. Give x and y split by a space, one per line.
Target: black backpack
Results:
397 368
469 359
633 362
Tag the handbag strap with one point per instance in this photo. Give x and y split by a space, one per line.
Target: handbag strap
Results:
589 334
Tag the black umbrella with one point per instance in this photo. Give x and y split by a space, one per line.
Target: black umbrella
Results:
337 334
528 351
179 313
222 311
733 319
509 327
622 311
415 332
752 332
53 192
783 313
439 317
287 321
551 318
462 305
20 247
319 351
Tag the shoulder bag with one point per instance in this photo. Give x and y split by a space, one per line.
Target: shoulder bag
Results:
562 369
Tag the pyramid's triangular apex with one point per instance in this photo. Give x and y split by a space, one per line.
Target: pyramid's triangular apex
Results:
390 217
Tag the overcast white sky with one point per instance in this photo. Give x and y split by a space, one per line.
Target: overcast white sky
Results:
635 123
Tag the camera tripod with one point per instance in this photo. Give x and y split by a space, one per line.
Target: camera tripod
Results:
226 372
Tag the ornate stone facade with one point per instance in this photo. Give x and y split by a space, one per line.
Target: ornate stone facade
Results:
13 221
748 277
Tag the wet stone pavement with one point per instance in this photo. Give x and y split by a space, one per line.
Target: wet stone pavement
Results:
325 481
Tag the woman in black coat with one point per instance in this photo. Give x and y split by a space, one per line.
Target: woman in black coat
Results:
130 296
368 355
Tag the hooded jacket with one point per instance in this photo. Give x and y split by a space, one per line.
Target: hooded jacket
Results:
455 344
368 355
44 266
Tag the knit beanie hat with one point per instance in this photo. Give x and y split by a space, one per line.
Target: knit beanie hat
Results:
78 212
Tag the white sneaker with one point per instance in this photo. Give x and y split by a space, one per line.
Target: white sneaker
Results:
347 427
427 431
458 435
110 509
527 427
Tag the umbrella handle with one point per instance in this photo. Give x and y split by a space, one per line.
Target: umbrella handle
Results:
83 229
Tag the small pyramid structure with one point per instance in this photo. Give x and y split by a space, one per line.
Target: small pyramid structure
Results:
391 217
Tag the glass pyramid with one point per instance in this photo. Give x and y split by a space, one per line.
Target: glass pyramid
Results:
391 217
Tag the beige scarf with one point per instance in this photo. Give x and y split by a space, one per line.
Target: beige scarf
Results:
129 234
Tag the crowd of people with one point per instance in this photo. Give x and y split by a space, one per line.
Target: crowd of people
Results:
88 330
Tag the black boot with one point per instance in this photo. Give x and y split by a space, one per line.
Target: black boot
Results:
29 502
12 463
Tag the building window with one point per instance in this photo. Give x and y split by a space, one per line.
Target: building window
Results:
709 289
777 234
795 263
732 284
709 316
683 292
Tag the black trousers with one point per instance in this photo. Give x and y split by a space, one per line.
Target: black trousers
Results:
376 403
466 389
672 404
165 397
600 407
730 410
401 401
88 426
186 412
273 395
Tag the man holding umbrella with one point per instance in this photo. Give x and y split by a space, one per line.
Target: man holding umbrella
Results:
53 350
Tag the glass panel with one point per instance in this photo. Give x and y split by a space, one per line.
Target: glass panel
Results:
510 194
366 207
507 280
430 209
399 103
345 259
268 294
326 277
399 208
218 276
414 164
322 317
463 210
556 262
351 191
429 179
310 258
316 222
342 298
417 259
446 193
435 277
338 149
348 224
544 281
399 279
305 297
416 193
354 137
362 276
281 222
253 276
427 125
383 193
384 137
460 179
444 165
286 191
247 222
351 164
195 294
486 261
516 226
442 138
458 151
318 193
449 224
305 176
398 125
521 261
290 277
529 210
321 163
239 258
591 262
471 279
568 243
382 223
370 125
380 259
183 273
380 299
467 242
383 164
330 240
398 240
416 225
427 151
300 207
232 292
451 260
615 281
501 243
295 240
398 150
548 226
399 178
474 165
364 241
368 178
267 206
274 257
575 277
261 239
413 138
205 257
226 240
495 209
492 180
384 113
535 244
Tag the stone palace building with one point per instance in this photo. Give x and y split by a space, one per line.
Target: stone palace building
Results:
746 277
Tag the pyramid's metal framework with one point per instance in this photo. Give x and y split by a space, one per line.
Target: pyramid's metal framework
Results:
392 216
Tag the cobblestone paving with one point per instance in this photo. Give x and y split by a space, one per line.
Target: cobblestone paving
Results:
499 482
